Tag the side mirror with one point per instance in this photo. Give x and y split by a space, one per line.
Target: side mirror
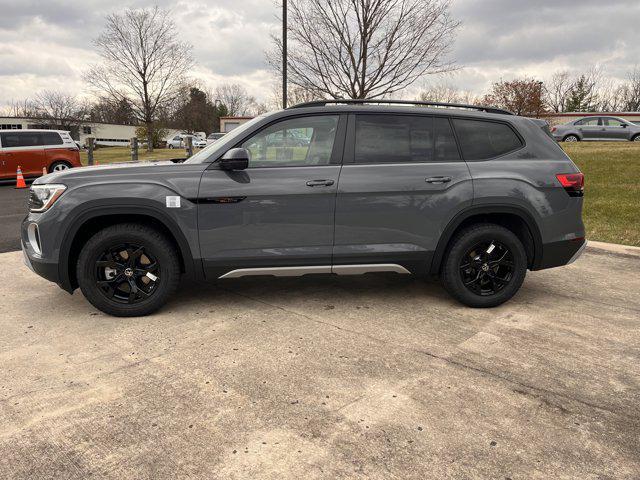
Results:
624 125
235 159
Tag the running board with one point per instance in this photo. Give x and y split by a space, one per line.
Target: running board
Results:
300 271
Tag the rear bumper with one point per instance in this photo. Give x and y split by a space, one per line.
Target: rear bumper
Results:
561 253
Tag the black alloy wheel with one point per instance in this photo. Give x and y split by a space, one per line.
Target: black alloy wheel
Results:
127 273
487 268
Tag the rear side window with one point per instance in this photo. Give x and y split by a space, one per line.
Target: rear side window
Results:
589 122
403 139
20 139
51 138
481 140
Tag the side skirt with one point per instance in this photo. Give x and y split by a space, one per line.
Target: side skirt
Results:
299 271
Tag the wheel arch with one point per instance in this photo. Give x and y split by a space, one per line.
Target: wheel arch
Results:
90 222
516 219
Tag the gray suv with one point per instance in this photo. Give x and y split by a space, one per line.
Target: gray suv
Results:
472 195
597 128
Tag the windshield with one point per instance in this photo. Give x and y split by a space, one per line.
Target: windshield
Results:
226 141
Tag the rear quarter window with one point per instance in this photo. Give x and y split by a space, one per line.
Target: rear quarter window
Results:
482 140
51 138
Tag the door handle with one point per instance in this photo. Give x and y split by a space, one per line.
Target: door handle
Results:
319 183
438 179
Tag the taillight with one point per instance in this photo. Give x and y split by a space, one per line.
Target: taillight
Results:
573 183
553 129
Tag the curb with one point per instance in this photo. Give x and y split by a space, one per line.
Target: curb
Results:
614 249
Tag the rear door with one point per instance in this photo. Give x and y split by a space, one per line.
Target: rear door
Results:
24 149
278 213
402 180
591 128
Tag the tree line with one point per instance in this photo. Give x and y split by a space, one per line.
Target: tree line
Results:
564 92
337 49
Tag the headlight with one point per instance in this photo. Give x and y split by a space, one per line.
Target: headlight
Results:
41 197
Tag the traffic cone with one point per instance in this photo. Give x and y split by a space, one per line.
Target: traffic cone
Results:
20 179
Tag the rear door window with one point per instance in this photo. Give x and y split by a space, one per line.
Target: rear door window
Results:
481 140
21 139
589 122
51 138
393 139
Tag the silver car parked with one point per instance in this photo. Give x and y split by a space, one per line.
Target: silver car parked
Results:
597 128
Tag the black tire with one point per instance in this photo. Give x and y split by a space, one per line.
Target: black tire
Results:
111 250
59 166
636 138
462 263
571 138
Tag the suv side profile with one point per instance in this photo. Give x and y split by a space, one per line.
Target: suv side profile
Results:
472 195
597 128
33 150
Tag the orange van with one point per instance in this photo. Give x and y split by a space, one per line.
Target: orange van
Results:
34 150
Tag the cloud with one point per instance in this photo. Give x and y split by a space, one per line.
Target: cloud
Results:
48 44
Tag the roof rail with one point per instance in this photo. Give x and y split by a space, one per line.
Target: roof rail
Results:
322 103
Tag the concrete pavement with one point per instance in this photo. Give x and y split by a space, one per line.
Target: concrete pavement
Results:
380 376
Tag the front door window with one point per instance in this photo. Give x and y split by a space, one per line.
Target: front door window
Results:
305 141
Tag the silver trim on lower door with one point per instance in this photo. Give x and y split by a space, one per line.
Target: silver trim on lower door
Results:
368 268
299 271
277 271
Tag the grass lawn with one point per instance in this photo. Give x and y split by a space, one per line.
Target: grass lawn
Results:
612 184
612 189
123 154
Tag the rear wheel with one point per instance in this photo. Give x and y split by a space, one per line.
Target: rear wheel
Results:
571 138
636 138
128 270
485 266
59 167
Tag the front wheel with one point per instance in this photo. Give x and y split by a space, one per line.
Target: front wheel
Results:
636 138
485 266
128 270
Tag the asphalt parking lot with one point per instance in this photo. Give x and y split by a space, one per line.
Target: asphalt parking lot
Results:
13 208
379 376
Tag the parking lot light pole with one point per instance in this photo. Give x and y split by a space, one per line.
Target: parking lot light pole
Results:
284 53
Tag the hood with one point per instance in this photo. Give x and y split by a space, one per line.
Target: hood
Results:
119 171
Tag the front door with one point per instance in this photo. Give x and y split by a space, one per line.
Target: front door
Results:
615 129
402 180
277 215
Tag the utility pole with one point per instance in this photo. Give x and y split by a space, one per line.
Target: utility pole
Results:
284 53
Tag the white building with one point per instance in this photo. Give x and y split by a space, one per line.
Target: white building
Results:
229 123
104 133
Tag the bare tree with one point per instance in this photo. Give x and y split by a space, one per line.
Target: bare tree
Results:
59 109
365 48
236 98
632 91
446 93
557 90
143 62
295 95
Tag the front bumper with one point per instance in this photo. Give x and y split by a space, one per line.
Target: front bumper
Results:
46 270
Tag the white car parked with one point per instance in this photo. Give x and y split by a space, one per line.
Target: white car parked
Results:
179 141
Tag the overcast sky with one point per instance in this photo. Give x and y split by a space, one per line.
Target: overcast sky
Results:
46 44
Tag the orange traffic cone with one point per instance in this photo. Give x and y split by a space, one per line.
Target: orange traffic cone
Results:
20 179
